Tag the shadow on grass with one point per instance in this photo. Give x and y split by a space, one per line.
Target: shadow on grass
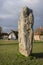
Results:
9 44
37 55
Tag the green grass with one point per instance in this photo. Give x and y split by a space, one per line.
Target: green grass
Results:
9 54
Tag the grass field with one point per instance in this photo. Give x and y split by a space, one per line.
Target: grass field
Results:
9 54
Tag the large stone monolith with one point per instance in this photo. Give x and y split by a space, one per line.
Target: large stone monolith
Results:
25 31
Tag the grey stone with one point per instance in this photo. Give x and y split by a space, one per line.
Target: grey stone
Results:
25 31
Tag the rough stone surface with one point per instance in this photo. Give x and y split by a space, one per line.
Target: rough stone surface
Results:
25 31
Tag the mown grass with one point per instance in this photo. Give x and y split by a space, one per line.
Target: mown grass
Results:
9 54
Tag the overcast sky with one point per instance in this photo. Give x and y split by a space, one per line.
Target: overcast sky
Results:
10 12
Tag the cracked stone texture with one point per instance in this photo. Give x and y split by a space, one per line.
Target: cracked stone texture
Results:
25 31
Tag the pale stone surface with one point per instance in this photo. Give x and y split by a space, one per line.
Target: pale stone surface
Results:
25 31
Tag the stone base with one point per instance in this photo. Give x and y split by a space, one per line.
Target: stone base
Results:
24 52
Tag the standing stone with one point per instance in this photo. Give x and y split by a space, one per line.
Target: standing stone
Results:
25 31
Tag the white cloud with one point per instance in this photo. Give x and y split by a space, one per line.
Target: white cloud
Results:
5 16
31 1
12 6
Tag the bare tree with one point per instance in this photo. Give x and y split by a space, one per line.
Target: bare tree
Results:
0 30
